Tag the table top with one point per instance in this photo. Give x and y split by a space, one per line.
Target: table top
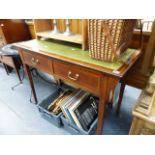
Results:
74 54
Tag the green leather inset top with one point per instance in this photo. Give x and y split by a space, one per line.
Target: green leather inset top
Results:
73 52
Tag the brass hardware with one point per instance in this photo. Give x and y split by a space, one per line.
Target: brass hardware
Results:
75 78
37 61
34 62
2 25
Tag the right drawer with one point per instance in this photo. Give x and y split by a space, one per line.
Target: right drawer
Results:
77 75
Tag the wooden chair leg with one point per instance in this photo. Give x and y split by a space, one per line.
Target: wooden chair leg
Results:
18 74
6 69
120 97
17 71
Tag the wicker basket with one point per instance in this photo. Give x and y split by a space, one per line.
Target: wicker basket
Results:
109 38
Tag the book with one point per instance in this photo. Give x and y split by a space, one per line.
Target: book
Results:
81 98
72 102
86 113
67 98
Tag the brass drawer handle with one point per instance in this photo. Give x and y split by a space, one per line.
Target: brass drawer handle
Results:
75 78
37 61
34 62
2 25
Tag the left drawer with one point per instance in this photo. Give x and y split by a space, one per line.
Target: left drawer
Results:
38 61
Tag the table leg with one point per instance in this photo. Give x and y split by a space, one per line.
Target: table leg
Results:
102 105
28 72
120 97
107 85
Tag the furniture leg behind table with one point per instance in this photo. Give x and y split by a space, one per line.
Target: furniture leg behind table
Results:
18 74
10 63
17 65
6 69
120 97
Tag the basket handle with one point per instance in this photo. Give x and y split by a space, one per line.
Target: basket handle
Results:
119 49
141 40
106 31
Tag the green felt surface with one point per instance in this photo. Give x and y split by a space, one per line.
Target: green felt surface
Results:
73 52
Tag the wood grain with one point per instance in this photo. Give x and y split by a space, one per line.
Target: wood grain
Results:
41 25
73 39
37 61
14 30
77 26
87 78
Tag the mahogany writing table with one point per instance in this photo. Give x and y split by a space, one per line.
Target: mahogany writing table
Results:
73 65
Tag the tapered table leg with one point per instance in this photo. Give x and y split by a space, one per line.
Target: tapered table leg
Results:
102 105
107 85
28 72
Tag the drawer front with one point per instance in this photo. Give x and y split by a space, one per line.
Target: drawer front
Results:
7 60
77 75
38 61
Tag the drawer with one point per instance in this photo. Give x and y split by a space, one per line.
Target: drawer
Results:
85 78
7 60
38 61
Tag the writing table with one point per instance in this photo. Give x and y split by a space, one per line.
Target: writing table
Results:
73 65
